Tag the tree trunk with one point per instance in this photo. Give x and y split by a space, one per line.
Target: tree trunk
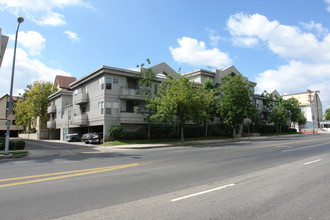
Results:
234 131
205 127
182 137
149 125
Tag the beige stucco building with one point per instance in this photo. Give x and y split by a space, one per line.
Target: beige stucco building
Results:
311 106
111 96
14 129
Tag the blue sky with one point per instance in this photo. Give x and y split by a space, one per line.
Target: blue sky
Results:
282 45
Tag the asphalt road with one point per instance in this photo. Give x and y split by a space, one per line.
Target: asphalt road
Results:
273 178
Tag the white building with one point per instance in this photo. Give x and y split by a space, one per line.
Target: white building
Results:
311 107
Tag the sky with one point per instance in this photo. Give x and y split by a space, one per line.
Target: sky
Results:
279 44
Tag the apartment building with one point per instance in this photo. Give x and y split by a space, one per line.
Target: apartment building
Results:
14 129
311 106
106 96
60 101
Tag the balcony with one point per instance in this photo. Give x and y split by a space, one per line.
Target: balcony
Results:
51 109
81 98
51 124
81 119
131 93
131 117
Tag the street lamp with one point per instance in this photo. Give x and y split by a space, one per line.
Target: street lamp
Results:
10 104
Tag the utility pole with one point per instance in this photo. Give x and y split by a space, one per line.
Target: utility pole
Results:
10 106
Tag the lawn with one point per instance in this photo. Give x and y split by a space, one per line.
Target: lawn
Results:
157 141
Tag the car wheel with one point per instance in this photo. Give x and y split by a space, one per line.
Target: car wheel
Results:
86 142
74 139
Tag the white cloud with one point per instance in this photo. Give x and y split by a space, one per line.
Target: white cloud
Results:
328 4
33 41
72 36
297 77
286 41
214 37
27 70
308 57
40 11
195 53
313 26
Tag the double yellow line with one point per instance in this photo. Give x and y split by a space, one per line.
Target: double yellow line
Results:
62 175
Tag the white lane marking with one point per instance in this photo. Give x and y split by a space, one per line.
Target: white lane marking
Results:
203 192
299 148
314 161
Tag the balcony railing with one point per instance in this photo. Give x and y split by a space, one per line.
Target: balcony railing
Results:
131 93
81 119
80 98
130 117
51 124
51 109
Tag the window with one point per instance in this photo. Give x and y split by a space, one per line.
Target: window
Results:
107 80
130 106
115 80
155 89
83 109
108 85
101 106
108 111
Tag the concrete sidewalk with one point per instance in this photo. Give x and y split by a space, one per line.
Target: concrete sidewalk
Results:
82 148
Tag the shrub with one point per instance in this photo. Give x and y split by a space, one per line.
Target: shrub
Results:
115 131
133 135
13 145
20 145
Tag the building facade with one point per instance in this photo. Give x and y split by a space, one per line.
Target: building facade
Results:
107 96
14 129
311 106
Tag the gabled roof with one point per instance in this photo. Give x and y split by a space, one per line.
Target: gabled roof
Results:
63 82
163 68
14 98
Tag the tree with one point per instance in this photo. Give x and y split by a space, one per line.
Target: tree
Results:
301 121
34 104
180 100
208 86
235 100
279 115
327 114
146 80
294 110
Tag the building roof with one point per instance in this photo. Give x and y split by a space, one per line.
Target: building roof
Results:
63 82
304 98
13 97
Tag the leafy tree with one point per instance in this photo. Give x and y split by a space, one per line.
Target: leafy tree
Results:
23 114
301 120
327 114
235 100
146 80
294 110
255 115
268 106
34 104
208 86
179 100
279 115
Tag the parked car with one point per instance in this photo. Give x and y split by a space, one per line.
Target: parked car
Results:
92 138
73 137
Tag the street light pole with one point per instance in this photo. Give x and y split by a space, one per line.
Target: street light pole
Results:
10 105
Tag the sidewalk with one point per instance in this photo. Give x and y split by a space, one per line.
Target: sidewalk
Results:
82 148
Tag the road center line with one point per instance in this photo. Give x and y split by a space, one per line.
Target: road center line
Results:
314 161
203 192
67 174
